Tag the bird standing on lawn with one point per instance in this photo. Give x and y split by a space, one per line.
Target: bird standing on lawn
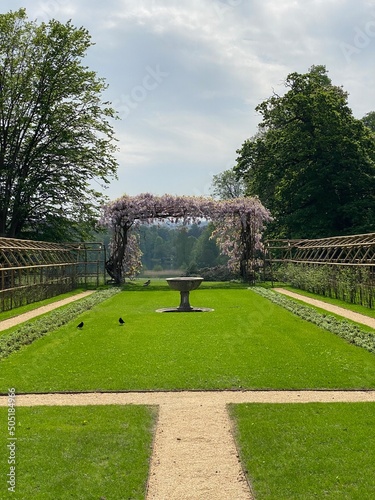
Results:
147 283
121 321
80 325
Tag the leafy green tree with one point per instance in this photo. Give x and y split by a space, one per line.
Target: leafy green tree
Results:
196 230
157 245
369 120
184 246
55 133
227 185
205 252
178 247
312 163
159 250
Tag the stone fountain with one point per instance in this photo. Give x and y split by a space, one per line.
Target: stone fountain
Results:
184 285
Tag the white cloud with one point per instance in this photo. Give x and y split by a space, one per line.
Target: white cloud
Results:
220 59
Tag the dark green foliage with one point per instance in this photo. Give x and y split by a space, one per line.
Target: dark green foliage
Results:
312 164
186 247
30 331
369 120
344 329
227 185
184 244
218 273
157 246
205 251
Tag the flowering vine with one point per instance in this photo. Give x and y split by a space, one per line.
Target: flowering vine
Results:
239 224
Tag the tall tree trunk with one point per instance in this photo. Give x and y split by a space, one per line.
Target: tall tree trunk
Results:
114 265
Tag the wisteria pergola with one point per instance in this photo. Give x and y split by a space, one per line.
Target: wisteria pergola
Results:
239 224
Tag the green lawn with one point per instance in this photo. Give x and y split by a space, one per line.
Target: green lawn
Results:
79 452
308 451
290 451
246 342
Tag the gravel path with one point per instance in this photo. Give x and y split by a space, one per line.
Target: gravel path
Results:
194 455
359 318
21 318
187 399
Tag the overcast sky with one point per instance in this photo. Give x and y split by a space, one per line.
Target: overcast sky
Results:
185 77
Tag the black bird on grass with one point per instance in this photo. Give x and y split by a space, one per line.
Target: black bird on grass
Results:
147 283
121 321
80 325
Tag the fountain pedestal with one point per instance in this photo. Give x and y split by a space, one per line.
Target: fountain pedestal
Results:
184 285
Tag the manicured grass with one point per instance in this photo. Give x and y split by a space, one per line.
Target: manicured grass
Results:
79 452
323 311
352 333
27 332
308 451
247 342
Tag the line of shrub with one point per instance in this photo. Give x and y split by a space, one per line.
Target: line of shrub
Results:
344 329
30 331
351 284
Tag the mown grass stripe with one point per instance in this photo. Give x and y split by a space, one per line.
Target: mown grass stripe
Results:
343 328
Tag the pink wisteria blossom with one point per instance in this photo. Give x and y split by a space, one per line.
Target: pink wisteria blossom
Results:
239 224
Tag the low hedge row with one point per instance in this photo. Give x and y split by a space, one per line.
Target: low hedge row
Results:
344 329
218 273
30 331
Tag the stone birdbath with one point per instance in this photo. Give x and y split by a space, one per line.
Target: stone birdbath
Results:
184 285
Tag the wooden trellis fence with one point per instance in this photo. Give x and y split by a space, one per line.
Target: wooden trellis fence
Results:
340 266
356 250
35 270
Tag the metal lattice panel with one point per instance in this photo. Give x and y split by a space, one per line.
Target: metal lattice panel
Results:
35 270
24 253
356 250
